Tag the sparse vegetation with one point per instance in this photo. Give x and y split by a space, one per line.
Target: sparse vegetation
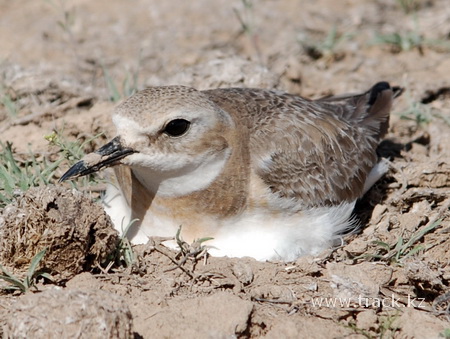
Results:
401 41
445 334
19 175
402 249
417 112
194 250
410 39
246 17
67 17
365 333
124 254
66 20
387 328
421 113
8 103
128 87
30 279
72 151
328 48
408 6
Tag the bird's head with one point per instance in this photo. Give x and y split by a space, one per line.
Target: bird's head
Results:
173 138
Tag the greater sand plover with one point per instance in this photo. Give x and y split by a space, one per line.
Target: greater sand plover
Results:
267 174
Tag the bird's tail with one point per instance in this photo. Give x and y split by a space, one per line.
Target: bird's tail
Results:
370 109
379 104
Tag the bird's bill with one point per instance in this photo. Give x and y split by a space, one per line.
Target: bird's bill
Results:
107 155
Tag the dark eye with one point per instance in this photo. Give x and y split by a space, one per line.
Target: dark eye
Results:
177 127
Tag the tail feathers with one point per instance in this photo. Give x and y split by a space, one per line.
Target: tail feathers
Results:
371 109
397 91
381 97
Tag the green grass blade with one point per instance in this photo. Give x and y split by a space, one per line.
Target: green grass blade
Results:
382 244
34 264
14 282
43 275
419 235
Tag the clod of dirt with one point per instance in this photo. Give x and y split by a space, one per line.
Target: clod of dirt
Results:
68 314
194 318
430 326
424 275
270 293
433 174
306 327
352 281
243 272
76 233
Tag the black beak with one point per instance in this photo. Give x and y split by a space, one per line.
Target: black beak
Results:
107 155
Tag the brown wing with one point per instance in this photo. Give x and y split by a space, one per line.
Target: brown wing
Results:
317 152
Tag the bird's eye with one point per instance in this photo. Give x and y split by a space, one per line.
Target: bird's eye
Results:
177 127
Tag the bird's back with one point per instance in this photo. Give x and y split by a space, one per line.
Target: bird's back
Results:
318 152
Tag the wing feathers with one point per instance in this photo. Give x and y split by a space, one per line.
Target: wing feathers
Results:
318 152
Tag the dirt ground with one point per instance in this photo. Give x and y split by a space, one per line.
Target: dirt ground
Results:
64 63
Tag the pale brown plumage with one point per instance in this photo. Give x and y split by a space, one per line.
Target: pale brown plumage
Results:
269 159
319 152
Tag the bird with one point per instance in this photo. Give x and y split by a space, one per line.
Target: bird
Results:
264 173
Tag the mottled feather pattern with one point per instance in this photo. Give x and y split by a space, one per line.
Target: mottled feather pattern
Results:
266 174
317 152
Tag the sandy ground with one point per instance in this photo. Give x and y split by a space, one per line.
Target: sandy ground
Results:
59 63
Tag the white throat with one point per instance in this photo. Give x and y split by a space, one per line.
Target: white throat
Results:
188 179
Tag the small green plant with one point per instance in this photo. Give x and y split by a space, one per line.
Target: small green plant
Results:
31 277
410 39
8 103
445 334
408 6
67 17
72 151
402 249
421 113
22 175
387 326
129 85
400 42
417 112
124 253
66 22
195 250
326 48
357 330
246 18
124 250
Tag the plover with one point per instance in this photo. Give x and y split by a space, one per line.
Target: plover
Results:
267 174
